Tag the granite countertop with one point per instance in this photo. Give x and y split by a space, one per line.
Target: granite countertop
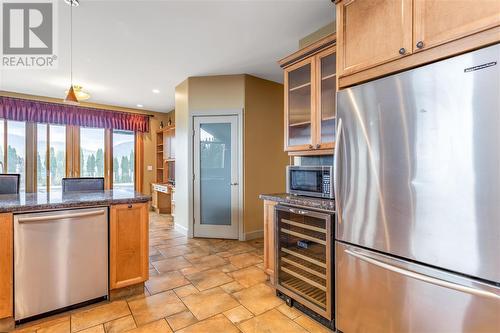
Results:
301 201
26 202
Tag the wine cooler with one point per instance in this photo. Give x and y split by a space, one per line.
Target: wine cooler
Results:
304 265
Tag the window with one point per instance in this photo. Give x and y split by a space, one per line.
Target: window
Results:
92 152
50 169
13 151
123 159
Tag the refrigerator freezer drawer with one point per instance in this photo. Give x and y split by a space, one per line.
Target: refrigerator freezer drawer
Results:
378 293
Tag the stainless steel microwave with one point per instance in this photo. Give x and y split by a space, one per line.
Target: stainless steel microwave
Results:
312 181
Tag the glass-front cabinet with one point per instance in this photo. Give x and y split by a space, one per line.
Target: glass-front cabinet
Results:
310 87
299 104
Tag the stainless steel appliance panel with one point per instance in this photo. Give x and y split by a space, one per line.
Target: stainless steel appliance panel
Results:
60 259
376 293
418 164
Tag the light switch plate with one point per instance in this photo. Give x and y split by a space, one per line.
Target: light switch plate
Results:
150 168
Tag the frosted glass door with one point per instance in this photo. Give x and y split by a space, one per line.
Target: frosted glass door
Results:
216 177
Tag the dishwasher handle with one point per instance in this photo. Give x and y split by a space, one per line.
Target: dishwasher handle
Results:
47 218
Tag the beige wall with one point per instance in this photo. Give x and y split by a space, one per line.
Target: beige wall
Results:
264 160
182 168
328 29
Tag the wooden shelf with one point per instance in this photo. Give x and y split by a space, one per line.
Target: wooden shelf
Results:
300 87
305 256
304 226
304 236
328 77
305 266
304 123
302 288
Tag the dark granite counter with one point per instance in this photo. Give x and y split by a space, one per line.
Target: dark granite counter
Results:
27 202
301 201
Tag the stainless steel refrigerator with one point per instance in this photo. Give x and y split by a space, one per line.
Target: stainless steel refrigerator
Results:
417 181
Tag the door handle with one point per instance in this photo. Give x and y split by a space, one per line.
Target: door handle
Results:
336 170
59 217
234 184
423 277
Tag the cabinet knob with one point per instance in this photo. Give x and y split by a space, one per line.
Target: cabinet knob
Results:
402 51
317 146
420 44
129 206
311 146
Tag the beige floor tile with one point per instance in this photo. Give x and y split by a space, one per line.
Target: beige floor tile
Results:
228 268
271 321
207 262
60 327
165 281
210 302
170 252
288 311
51 324
197 253
189 270
95 329
258 298
120 325
208 279
232 287
311 325
238 314
171 264
155 307
186 290
250 276
98 315
181 320
159 326
216 324
244 260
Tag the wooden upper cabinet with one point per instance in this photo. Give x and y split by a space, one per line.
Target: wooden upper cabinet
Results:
310 88
300 105
128 245
371 32
436 21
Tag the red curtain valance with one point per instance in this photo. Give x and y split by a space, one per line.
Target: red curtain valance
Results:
62 114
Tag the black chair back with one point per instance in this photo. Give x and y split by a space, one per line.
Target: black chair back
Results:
84 184
9 183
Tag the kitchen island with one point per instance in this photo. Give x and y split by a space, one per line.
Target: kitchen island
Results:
124 219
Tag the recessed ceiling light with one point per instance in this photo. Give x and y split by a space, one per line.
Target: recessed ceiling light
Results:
140 105
156 91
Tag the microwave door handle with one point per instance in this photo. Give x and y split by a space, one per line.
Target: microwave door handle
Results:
422 277
336 171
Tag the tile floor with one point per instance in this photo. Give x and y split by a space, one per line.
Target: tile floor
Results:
195 286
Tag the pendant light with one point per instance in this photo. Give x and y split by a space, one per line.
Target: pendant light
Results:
71 96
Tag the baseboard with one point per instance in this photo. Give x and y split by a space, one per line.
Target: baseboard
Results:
254 234
181 228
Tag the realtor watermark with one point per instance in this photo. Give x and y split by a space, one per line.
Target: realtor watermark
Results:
28 34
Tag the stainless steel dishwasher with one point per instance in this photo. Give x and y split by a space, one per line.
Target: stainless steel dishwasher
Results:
60 260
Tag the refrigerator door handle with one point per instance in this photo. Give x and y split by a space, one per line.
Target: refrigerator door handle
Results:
336 171
422 277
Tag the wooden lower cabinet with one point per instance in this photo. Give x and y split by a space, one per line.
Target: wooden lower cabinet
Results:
6 266
269 242
129 246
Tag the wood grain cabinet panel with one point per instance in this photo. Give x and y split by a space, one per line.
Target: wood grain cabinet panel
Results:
436 21
269 243
128 245
371 32
6 266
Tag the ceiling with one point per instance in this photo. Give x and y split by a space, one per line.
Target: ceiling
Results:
122 50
